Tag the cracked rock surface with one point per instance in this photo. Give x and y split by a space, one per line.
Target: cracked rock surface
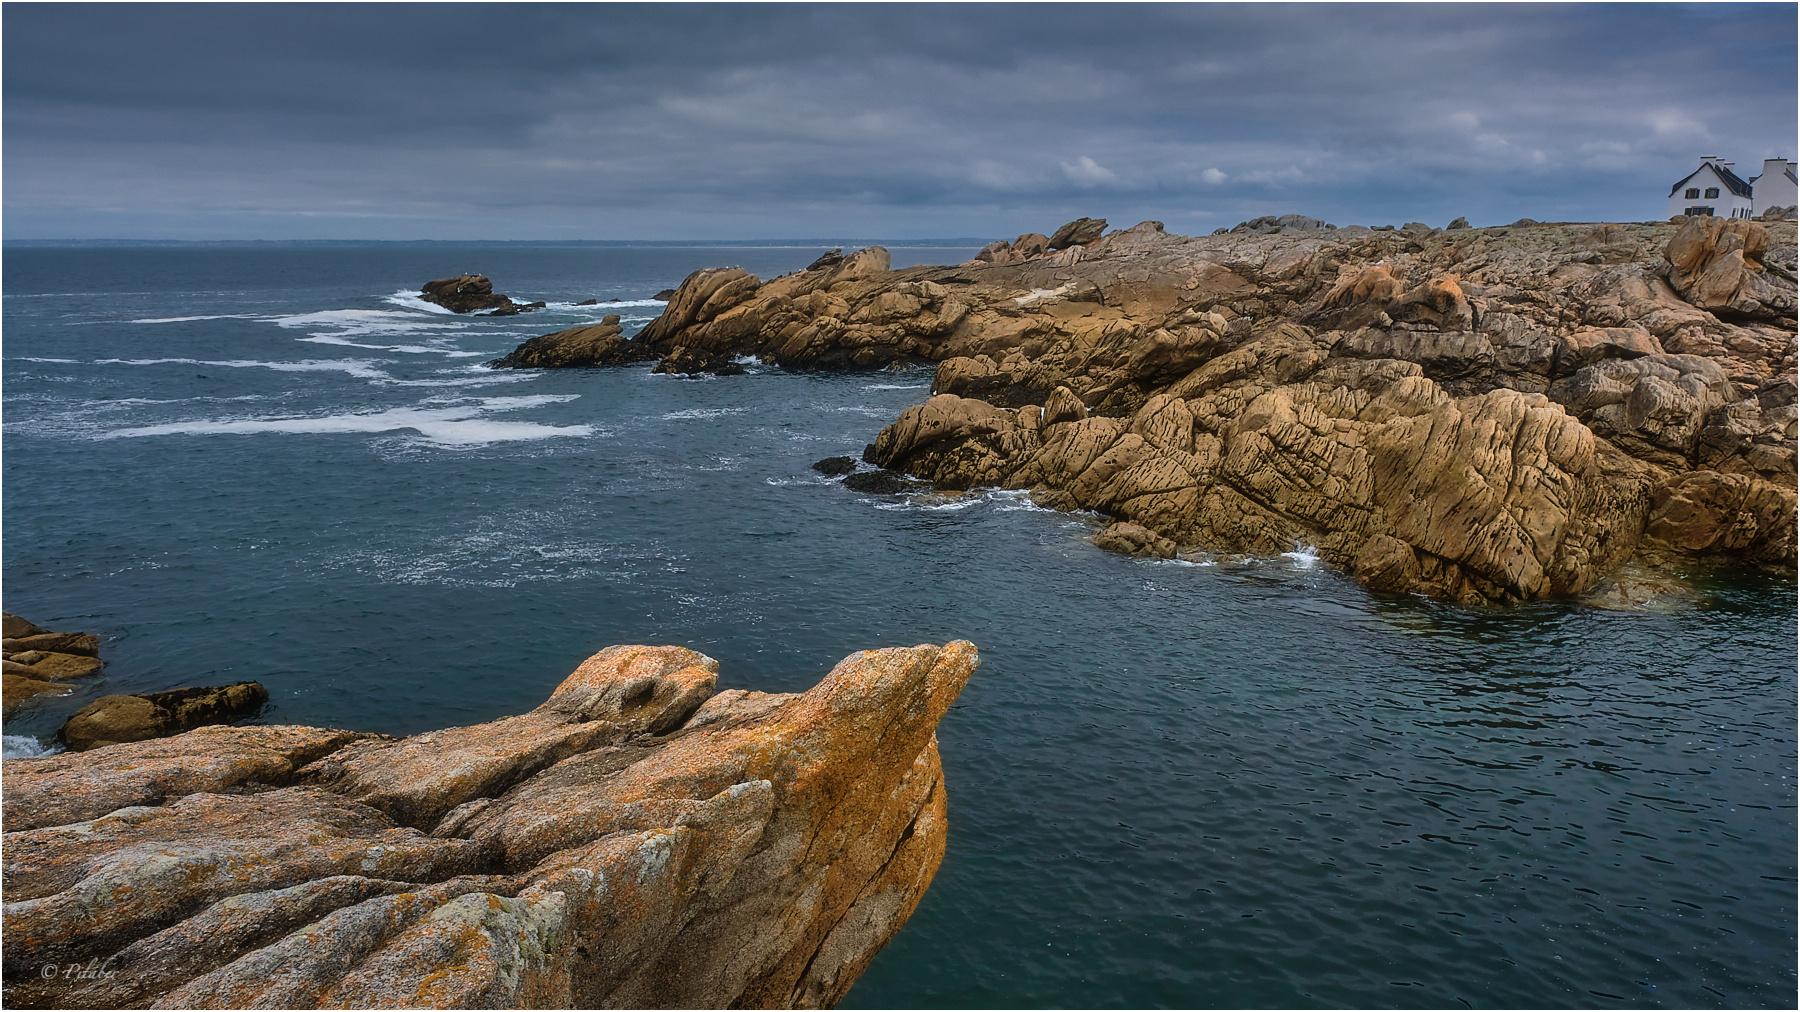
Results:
638 840
1485 415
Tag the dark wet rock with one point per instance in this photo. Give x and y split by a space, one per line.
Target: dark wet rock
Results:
835 466
599 344
465 293
1079 232
588 302
830 258
111 720
883 483
664 295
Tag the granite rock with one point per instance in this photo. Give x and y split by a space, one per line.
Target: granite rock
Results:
637 841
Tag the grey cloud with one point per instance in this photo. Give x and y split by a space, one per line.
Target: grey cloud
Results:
615 121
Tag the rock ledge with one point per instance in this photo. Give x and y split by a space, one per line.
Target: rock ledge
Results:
636 841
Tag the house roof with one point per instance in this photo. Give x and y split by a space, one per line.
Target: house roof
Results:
1726 176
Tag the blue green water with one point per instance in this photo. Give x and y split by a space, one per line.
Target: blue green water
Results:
1233 785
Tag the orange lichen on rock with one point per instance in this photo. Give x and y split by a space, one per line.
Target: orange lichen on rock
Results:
636 841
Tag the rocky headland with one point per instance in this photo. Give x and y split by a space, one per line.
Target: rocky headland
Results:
639 840
1481 414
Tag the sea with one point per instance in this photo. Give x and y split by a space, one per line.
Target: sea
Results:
1213 782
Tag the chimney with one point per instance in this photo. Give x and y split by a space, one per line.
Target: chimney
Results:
1774 166
1727 165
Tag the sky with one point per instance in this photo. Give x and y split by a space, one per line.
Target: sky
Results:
742 121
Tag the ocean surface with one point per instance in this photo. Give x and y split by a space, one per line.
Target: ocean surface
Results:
1240 784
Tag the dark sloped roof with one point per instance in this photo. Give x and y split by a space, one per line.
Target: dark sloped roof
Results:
1730 178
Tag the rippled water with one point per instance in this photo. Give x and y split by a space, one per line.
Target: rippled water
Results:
1231 785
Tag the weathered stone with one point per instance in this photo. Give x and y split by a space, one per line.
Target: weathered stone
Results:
111 720
757 855
465 293
1131 539
1079 232
1284 358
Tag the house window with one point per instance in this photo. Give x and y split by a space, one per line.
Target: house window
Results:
1693 193
1694 212
1712 193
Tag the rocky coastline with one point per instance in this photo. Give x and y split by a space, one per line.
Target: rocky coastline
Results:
639 840
1480 414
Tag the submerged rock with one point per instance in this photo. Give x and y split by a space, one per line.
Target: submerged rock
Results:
883 483
637 841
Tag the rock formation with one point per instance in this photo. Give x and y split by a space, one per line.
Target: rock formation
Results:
111 720
602 343
636 841
40 663
470 293
1485 414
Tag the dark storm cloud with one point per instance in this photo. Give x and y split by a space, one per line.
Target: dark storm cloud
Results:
612 121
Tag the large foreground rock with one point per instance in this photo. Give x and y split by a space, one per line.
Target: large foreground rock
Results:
637 841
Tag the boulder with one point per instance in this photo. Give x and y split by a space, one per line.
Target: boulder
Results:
830 258
835 466
599 344
1079 232
1031 244
110 720
465 293
637 841
1459 223
13 627
1716 264
1131 539
664 295
999 252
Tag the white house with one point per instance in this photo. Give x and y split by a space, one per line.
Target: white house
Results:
1713 189
1776 186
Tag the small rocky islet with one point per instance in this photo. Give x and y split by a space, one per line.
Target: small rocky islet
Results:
1480 414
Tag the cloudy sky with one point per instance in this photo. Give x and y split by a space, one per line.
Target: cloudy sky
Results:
620 121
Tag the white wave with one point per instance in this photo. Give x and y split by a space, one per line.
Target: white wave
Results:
188 319
703 413
365 323
871 412
57 361
410 300
19 746
898 386
409 349
1303 556
621 304
360 368
458 425
510 376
